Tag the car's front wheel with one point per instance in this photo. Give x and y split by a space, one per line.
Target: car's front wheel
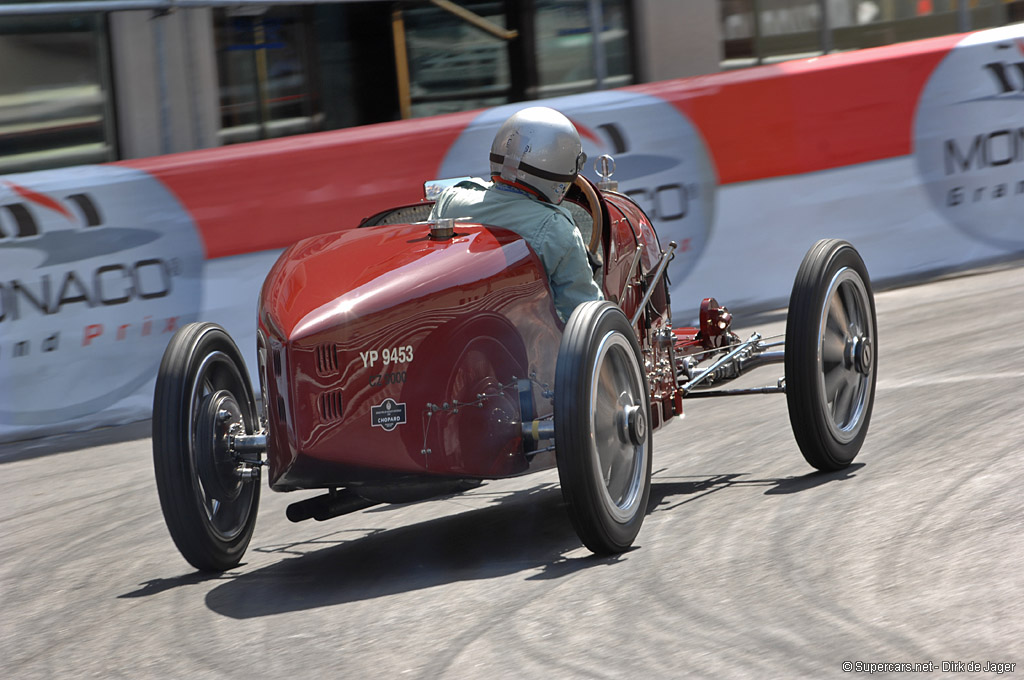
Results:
203 396
831 354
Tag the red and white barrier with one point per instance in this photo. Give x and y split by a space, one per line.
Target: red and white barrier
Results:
913 152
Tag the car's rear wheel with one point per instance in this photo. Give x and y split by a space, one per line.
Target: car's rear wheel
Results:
831 354
202 397
603 438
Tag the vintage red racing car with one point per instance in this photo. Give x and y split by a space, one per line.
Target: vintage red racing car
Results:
406 359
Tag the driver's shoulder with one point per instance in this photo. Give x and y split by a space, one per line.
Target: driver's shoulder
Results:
557 230
559 220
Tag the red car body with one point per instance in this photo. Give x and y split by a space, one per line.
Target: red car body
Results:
386 353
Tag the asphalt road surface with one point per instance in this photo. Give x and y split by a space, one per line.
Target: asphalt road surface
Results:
749 564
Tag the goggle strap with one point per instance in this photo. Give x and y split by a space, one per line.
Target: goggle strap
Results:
536 172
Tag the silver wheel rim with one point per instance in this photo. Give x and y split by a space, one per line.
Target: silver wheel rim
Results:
846 348
226 520
617 394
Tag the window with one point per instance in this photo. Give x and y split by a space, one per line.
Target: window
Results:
761 31
567 58
265 73
453 65
55 104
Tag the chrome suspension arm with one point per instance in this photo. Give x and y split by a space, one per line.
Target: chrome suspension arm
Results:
742 357
666 257
710 370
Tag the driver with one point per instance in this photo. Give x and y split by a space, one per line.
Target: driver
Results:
535 157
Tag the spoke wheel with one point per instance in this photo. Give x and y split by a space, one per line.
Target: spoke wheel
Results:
603 439
831 354
202 397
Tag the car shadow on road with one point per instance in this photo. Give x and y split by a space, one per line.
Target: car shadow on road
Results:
161 585
522 531
666 494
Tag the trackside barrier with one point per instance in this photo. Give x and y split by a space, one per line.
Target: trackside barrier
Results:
913 152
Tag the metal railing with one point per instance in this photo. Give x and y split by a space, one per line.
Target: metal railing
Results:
104 6
764 47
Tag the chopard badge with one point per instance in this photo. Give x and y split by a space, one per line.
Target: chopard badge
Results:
388 415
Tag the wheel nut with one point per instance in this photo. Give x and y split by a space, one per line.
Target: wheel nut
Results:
636 425
864 356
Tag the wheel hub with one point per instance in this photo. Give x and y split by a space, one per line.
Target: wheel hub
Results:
636 425
219 418
859 354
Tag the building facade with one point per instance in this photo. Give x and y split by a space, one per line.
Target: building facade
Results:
103 80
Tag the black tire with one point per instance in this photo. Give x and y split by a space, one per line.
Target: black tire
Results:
603 438
209 509
831 354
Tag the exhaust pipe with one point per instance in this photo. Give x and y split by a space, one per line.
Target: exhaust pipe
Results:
337 502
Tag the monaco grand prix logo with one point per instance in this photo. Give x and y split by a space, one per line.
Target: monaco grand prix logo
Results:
98 267
969 137
661 161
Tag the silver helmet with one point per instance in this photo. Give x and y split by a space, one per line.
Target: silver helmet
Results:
539 148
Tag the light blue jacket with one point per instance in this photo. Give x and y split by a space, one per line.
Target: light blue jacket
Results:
548 228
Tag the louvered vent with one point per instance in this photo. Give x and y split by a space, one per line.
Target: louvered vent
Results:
329 405
327 359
